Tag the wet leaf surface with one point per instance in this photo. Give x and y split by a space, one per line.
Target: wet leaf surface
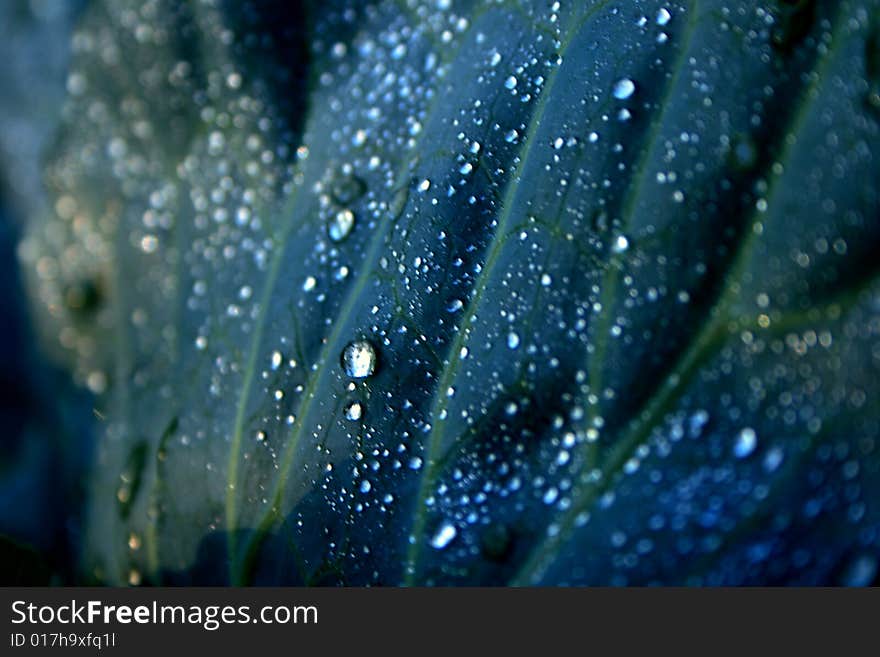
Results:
474 293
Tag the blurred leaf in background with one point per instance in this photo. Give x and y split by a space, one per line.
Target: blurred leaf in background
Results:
45 422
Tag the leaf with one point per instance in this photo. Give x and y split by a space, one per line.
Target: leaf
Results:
475 293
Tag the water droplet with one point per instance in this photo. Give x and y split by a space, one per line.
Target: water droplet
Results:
621 244
745 443
149 244
744 152
624 88
347 189
275 360
696 422
512 340
443 536
359 359
455 305
340 225
353 411
510 82
773 459
663 16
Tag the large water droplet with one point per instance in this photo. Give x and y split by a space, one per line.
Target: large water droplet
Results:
347 189
454 305
443 536
353 411
624 88
512 340
620 244
359 359
745 443
340 225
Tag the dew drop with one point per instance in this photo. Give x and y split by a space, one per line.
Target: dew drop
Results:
745 443
347 189
354 411
624 88
744 152
359 359
443 536
696 422
773 459
621 244
340 225
512 340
